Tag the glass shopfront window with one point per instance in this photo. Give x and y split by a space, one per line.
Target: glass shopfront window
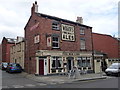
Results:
83 62
56 62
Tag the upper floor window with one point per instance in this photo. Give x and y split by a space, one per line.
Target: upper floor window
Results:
82 30
19 47
55 42
55 25
82 44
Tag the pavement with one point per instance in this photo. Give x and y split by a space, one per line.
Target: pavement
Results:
63 78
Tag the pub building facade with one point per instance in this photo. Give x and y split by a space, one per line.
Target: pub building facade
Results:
54 45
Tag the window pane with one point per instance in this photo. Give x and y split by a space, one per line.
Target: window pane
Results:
79 63
55 25
59 63
82 31
53 63
56 62
82 44
55 42
83 63
55 45
55 38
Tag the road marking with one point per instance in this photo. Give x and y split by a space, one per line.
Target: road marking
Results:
30 85
53 83
61 82
110 77
41 84
17 86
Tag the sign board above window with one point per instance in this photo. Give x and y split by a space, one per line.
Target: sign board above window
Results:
68 32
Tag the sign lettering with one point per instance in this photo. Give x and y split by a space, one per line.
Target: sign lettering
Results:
68 33
34 26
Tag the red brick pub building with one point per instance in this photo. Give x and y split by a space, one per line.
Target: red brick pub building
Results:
54 45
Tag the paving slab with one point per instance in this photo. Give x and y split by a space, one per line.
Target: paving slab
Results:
63 78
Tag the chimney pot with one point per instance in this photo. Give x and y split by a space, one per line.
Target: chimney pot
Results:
34 8
79 20
35 2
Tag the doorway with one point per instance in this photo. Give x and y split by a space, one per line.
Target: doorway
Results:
70 63
41 67
103 65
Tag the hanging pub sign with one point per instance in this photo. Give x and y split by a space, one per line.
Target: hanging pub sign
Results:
49 42
37 39
68 32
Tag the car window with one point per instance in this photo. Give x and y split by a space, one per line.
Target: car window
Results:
114 67
14 65
5 63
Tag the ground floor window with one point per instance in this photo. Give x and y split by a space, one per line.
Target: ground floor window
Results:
56 63
83 62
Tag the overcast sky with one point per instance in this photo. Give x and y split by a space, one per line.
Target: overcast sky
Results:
102 15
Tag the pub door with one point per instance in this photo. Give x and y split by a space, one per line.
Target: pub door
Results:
41 67
70 63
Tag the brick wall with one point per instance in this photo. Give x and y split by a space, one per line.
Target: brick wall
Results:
6 50
106 44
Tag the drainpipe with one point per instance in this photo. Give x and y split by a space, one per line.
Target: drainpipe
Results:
92 53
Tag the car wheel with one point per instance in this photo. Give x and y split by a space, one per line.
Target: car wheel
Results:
9 71
20 71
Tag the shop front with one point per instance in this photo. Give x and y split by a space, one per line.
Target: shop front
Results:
54 62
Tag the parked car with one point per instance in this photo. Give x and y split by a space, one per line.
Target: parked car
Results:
114 69
4 65
14 67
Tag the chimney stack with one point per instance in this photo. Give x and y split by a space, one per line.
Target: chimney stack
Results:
79 20
34 8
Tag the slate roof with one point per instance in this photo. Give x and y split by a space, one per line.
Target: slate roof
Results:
59 19
11 40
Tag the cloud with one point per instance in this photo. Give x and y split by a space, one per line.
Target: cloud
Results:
102 15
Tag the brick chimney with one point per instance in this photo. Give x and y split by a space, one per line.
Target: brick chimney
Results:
34 8
79 20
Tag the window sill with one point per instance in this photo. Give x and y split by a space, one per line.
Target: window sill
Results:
82 34
55 68
55 48
83 49
55 29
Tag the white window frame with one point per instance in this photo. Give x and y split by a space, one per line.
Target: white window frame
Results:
55 25
57 42
82 44
82 31
54 58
